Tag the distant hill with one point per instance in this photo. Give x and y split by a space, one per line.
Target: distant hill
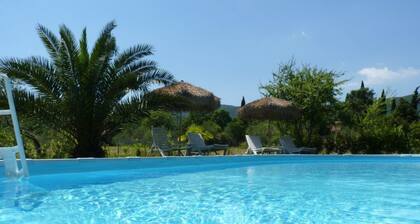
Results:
233 110
406 98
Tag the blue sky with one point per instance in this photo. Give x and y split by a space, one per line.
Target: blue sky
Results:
232 46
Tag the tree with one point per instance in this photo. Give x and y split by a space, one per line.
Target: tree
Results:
206 133
382 102
414 137
378 134
415 98
221 118
357 101
393 104
313 90
404 112
196 117
158 118
86 94
243 101
235 131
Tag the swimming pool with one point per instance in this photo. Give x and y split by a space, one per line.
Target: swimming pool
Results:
231 189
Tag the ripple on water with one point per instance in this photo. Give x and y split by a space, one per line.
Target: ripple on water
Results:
279 193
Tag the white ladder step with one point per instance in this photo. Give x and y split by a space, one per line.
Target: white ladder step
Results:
11 148
5 112
9 154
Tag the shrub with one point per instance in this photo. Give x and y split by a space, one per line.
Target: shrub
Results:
235 132
414 137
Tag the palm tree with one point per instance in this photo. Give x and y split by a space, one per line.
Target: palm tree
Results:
85 94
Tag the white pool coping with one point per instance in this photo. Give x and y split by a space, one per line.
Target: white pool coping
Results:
70 165
222 156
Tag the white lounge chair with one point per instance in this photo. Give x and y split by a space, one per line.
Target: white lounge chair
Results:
161 143
286 143
255 146
197 145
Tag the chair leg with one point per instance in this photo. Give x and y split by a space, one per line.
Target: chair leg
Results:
162 153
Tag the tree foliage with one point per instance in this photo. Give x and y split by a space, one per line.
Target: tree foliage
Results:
235 131
86 93
378 134
243 101
314 90
358 101
221 118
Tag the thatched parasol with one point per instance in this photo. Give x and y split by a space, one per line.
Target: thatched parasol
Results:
269 108
182 96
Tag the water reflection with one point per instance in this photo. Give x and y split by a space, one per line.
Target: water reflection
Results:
20 194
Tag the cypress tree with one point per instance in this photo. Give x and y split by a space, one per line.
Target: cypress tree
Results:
405 111
393 104
414 99
383 94
382 101
359 100
243 101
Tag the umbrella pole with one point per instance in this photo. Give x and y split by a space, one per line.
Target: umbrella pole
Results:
179 127
269 131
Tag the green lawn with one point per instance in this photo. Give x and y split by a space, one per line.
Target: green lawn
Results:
144 151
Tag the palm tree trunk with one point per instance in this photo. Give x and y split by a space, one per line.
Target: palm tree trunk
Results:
88 150
88 144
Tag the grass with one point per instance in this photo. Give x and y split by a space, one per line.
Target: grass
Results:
144 151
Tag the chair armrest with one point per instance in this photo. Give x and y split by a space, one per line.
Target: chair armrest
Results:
220 146
308 149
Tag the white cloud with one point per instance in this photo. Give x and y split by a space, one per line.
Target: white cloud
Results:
375 76
349 85
300 35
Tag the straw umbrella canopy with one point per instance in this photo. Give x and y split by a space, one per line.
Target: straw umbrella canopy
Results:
182 96
269 108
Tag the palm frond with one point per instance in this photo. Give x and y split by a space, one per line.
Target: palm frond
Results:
69 52
49 40
126 111
84 52
41 109
144 81
103 52
36 72
132 54
138 67
136 77
157 76
105 39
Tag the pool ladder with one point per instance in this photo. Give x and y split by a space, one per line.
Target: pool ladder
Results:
8 154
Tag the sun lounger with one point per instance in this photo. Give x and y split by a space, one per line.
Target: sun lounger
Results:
286 143
161 143
197 145
255 146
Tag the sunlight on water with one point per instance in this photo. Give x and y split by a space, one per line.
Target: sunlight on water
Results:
274 193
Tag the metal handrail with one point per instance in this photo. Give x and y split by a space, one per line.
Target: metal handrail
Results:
12 112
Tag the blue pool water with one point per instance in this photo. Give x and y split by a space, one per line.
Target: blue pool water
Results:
243 189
